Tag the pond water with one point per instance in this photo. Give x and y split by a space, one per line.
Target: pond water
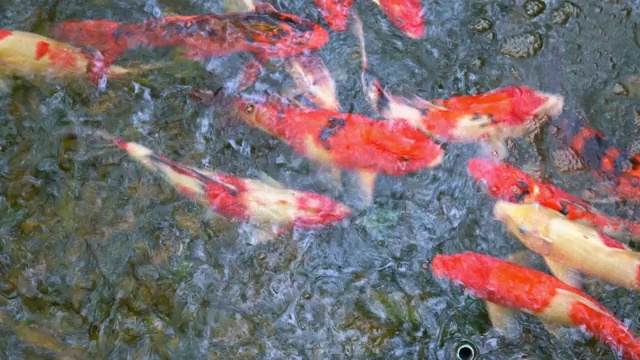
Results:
100 258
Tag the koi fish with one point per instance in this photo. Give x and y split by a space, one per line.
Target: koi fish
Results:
311 77
339 140
406 15
490 117
237 198
265 32
335 13
26 55
568 246
508 285
619 169
313 80
505 182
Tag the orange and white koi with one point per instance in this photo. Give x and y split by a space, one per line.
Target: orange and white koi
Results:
238 198
506 182
339 140
568 246
490 117
508 285
27 55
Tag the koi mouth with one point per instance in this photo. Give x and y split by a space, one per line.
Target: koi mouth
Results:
552 107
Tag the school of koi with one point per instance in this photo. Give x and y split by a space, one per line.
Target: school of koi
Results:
571 234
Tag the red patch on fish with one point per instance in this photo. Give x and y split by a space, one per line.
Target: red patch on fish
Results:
612 243
62 58
320 210
4 33
335 12
406 15
225 201
42 49
498 281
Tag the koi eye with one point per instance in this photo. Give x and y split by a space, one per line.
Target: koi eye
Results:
523 229
249 109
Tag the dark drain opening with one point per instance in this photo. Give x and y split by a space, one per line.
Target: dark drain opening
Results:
466 351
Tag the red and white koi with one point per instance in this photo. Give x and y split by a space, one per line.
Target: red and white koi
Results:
339 140
489 117
311 77
505 284
240 199
264 32
506 182
27 55
568 246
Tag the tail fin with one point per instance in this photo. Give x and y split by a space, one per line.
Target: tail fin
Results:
109 37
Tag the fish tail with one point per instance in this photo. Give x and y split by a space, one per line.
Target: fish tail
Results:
109 37
606 328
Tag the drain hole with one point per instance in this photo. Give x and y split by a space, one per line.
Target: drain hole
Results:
466 351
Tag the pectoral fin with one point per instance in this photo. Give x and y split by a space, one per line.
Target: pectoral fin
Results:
522 258
564 273
249 74
503 319
263 233
553 328
367 183
269 180
496 149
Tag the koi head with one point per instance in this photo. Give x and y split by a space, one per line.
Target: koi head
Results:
469 270
248 110
315 210
501 180
526 220
528 104
407 15
280 34
259 114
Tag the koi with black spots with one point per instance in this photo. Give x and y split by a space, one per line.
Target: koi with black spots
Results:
506 182
264 32
342 141
489 117
618 170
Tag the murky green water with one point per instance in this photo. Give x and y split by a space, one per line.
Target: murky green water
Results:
101 259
